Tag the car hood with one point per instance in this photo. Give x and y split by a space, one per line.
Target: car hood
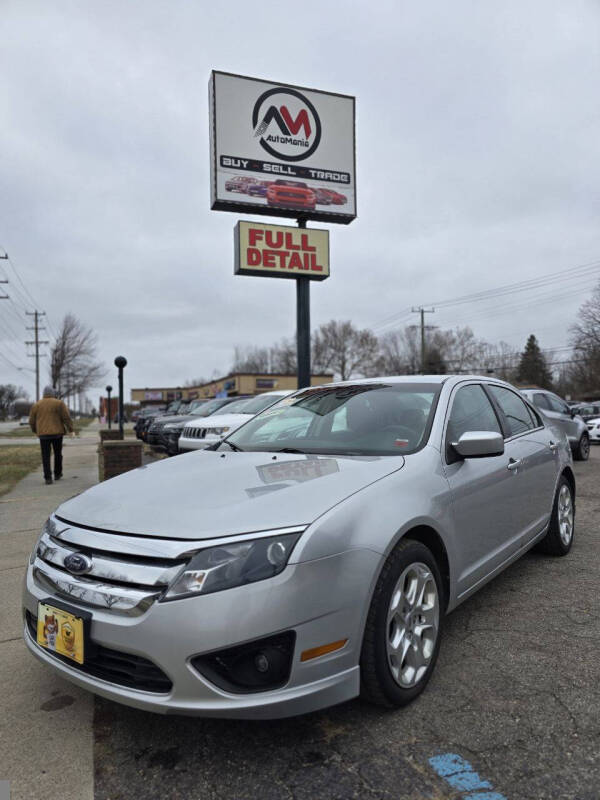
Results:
203 495
221 421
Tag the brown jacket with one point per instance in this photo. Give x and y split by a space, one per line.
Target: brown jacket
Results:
50 417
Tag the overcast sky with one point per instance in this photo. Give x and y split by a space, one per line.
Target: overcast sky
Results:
478 144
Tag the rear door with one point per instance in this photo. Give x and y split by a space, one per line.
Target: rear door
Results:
533 453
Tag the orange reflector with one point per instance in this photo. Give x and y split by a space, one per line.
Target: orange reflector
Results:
315 652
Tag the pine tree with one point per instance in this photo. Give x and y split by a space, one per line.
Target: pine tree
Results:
532 366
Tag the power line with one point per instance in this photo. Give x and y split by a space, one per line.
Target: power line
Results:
575 273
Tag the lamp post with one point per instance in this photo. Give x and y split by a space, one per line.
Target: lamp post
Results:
108 391
120 363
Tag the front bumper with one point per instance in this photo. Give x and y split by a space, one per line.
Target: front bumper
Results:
321 601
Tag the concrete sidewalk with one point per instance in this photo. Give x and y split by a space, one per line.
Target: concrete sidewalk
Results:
46 735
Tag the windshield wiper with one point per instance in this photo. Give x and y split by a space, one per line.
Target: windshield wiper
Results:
291 450
234 447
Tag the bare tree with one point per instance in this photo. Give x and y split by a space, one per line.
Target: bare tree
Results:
73 358
9 393
338 346
251 359
585 339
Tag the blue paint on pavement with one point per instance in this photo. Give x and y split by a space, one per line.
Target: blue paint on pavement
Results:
460 775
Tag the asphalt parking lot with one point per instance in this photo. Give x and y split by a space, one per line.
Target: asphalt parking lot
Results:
513 710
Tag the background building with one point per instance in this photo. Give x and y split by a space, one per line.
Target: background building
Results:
238 383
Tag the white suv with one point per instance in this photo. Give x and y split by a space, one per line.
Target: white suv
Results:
201 433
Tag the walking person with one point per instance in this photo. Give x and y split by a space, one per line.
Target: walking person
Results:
50 420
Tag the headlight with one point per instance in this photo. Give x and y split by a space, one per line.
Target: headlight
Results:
216 431
229 565
170 425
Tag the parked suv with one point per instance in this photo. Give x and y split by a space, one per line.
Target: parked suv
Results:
566 418
587 411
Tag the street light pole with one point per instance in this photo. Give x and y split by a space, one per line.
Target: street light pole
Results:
120 363
108 391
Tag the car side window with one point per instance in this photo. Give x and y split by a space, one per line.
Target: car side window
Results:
541 401
515 410
471 411
557 405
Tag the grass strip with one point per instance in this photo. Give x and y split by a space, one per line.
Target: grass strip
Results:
16 462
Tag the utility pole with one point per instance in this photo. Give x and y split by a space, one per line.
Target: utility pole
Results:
4 296
422 311
37 342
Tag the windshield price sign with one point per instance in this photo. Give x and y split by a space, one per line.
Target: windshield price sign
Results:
281 150
280 251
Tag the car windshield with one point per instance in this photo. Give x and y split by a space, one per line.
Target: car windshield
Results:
237 406
255 404
209 408
374 419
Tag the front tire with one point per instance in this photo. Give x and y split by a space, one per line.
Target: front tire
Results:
582 449
559 539
404 626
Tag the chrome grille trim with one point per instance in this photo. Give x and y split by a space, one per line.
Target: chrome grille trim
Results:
119 599
108 568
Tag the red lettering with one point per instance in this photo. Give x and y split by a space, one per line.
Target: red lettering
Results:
301 120
295 261
253 256
254 234
274 239
289 242
313 263
269 258
305 245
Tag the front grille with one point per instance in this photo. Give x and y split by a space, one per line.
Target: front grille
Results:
114 666
194 433
123 577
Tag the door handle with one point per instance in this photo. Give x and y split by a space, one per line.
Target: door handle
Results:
553 447
514 465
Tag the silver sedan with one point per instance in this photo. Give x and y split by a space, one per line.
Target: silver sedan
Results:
311 556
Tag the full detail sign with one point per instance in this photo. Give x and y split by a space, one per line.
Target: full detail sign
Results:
281 150
280 251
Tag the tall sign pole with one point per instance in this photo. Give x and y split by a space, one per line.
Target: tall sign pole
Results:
303 326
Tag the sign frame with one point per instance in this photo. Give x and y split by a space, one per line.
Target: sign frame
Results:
293 170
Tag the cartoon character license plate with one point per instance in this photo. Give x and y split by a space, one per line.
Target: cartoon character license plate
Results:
60 632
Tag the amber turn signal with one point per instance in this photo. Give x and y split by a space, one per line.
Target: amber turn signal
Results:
315 652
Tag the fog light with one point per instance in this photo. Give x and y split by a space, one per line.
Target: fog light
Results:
252 667
261 662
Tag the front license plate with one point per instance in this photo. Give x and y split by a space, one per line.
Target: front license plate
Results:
61 632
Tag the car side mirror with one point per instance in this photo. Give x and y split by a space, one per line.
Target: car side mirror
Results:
479 444
573 414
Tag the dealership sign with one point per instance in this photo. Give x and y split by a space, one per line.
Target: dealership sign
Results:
281 251
281 150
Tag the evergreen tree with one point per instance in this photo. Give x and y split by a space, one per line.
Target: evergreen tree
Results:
532 366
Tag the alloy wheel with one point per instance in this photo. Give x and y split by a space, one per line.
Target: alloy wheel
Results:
412 624
565 515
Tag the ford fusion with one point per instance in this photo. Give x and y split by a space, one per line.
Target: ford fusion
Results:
310 556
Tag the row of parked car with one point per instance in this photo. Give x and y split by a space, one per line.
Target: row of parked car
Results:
198 424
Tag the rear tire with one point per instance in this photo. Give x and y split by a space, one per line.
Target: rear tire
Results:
404 627
582 449
559 539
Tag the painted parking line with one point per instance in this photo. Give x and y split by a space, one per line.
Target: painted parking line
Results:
461 776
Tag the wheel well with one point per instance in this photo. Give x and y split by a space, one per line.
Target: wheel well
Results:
431 539
568 473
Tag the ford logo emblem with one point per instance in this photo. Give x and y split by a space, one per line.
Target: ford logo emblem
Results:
78 563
